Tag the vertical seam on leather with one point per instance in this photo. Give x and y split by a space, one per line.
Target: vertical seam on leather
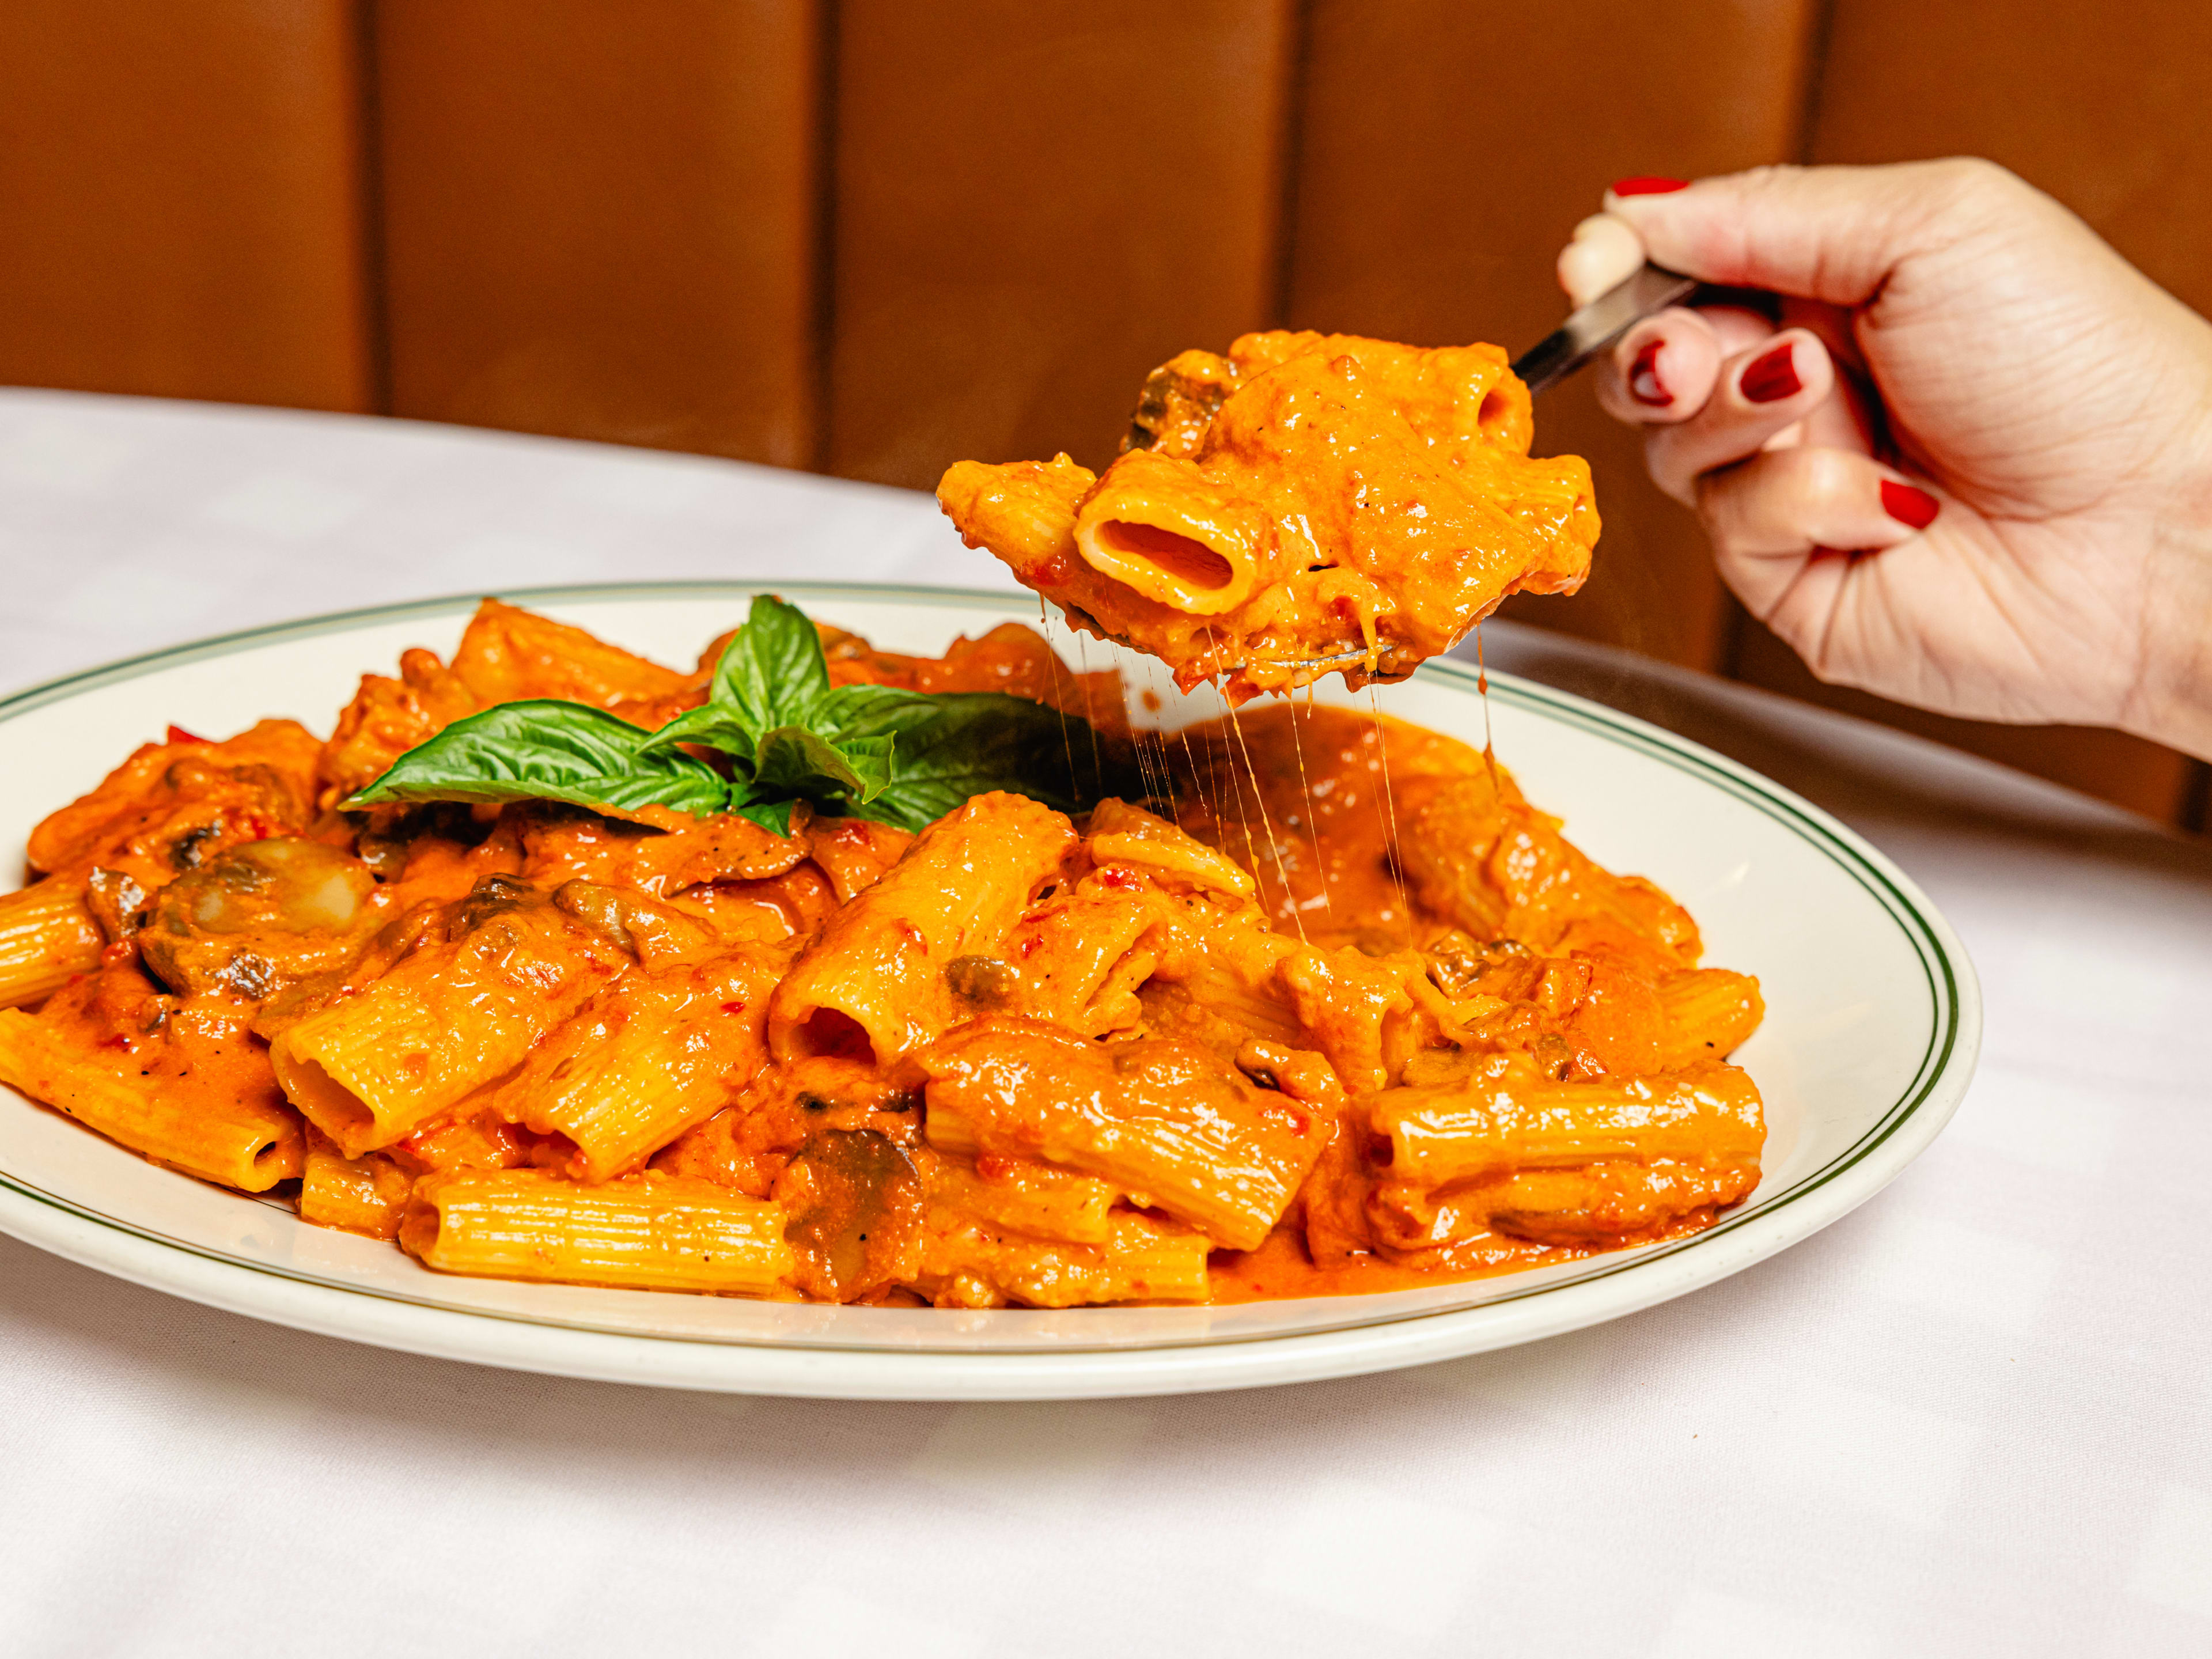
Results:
2193 808
823 321
375 319
1821 20
1290 128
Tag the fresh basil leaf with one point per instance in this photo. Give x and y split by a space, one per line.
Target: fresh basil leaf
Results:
875 751
773 816
710 725
872 761
546 750
793 761
857 711
959 745
771 674
796 764
773 671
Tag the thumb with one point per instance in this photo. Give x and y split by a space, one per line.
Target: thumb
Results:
1835 234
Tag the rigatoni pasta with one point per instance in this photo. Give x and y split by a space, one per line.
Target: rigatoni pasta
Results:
1304 497
1195 1041
365 1194
878 979
649 1057
47 937
370 1069
650 1231
1158 1118
245 1142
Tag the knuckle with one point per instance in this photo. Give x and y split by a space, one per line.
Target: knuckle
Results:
1771 177
1976 184
1978 174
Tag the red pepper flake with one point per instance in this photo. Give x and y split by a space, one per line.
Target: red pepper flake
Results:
1115 875
736 1006
178 734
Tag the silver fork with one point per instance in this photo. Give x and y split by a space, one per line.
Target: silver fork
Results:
1597 326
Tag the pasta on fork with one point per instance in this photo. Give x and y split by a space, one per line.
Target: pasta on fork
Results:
1306 502
818 972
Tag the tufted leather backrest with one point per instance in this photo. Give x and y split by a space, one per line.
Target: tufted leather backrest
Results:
874 236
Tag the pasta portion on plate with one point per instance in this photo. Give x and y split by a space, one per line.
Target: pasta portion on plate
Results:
1306 503
905 1007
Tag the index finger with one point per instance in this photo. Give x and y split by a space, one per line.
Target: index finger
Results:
1827 232
1603 253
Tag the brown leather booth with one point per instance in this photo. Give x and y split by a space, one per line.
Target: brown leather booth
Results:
875 236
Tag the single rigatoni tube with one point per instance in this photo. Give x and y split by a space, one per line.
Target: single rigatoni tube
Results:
969 1263
875 976
48 938
365 1194
1445 852
1163 1120
241 1143
1601 1201
1157 524
1710 1013
1506 1116
1146 1261
642 1062
370 1069
1023 511
1066 953
650 1231
1030 1198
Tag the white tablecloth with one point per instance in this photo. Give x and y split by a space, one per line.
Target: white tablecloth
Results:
1973 1417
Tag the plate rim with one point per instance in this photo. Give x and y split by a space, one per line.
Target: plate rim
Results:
795 1365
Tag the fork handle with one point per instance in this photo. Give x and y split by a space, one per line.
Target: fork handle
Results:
1597 326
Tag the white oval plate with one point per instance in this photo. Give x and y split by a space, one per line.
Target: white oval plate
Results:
1873 1022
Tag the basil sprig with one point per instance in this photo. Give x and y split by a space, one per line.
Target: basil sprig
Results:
785 735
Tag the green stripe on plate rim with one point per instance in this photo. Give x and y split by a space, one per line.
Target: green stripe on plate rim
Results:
1809 823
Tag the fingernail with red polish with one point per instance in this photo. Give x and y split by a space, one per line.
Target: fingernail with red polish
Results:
1647 185
1644 383
1771 379
1909 506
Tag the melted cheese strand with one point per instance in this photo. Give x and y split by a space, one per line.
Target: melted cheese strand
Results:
1313 830
1197 779
1251 845
1097 766
1282 871
1058 698
1482 685
1389 801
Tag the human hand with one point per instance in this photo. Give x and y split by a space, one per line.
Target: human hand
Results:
1970 465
